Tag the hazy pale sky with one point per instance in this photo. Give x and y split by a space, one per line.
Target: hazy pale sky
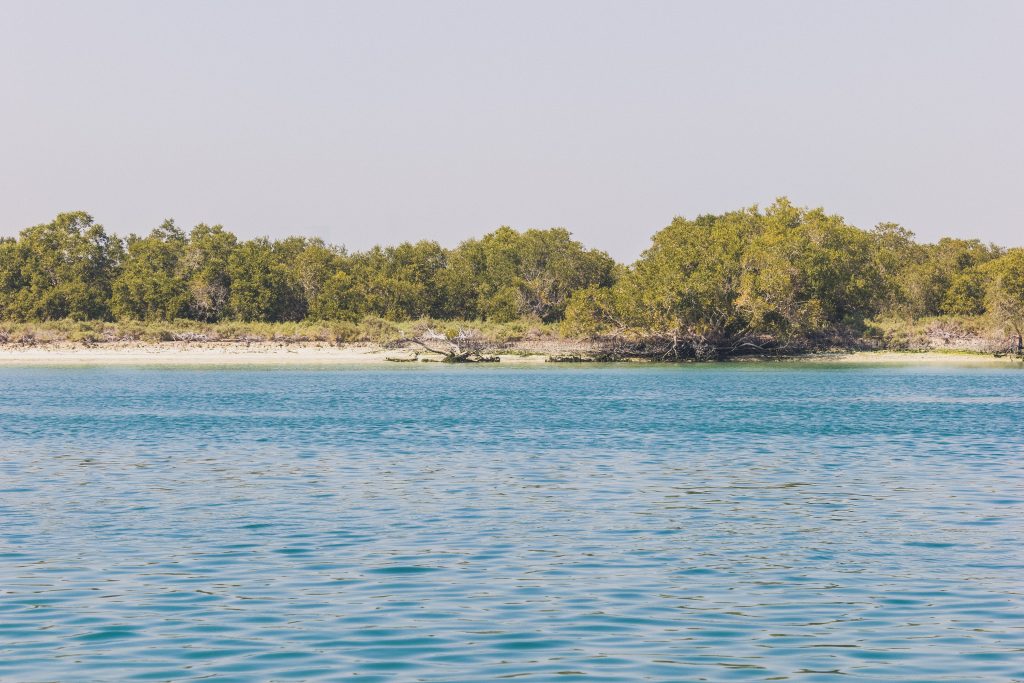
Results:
377 122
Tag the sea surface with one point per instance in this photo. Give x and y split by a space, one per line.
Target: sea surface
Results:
736 522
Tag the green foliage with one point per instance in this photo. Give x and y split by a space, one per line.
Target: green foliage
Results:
807 271
150 286
893 253
62 269
965 294
205 269
783 272
269 280
689 281
507 275
398 283
591 312
929 279
1005 297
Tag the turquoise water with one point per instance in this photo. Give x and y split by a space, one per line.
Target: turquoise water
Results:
754 522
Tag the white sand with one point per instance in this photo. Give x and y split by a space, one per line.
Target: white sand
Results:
280 354
915 358
224 353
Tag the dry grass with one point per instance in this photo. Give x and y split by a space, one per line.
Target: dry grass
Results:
976 334
368 330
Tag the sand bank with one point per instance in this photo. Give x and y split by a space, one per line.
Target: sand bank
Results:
210 354
297 354
913 358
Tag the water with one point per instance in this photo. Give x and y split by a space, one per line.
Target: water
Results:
468 524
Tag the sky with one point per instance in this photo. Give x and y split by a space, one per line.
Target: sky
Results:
383 121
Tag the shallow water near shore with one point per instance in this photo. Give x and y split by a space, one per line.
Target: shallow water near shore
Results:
730 522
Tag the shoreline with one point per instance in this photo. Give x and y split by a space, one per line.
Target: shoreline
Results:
280 354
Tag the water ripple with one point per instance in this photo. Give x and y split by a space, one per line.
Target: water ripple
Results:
451 524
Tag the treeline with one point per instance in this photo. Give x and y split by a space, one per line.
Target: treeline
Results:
71 268
792 273
781 272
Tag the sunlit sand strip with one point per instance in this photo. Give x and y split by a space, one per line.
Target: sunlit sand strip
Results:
280 354
260 353
912 357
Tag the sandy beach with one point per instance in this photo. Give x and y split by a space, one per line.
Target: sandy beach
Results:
298 354
914 358
216 354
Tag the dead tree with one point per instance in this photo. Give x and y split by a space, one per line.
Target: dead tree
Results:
468 346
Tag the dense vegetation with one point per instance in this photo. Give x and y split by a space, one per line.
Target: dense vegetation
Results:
744 278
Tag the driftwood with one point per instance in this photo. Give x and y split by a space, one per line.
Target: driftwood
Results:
467 346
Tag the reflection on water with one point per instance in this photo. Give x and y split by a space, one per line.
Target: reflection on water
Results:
468 524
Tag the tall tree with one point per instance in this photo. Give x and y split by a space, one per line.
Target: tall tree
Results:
258 282
150 285
1006 289
205 269
62 269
